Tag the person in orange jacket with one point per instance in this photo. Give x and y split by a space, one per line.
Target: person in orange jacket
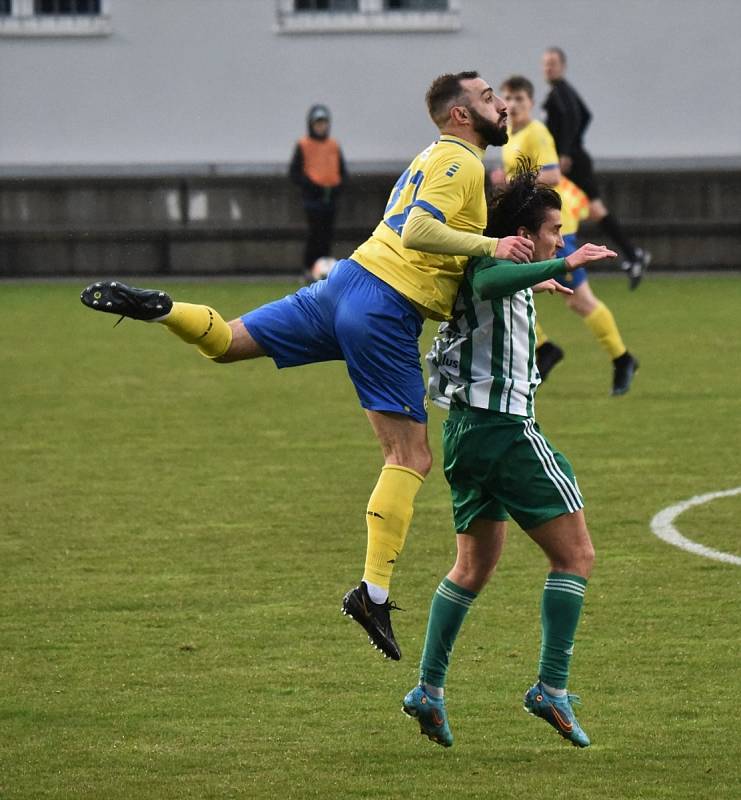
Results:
318 167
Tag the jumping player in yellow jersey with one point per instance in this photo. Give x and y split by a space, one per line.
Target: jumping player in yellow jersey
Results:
530 138
369 313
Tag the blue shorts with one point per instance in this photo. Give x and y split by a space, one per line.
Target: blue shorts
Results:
355 317
579 275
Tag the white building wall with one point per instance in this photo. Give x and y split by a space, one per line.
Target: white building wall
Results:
211 80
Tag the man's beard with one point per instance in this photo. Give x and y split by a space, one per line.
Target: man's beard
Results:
487 130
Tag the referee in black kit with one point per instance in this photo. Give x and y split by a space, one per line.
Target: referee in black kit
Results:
567 118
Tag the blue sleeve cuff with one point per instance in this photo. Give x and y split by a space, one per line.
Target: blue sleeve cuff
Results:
549 166
430 209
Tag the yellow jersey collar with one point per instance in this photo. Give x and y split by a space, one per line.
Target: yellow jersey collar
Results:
477 151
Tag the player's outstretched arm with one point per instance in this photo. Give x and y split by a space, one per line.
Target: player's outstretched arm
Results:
503 278
587 254
424 232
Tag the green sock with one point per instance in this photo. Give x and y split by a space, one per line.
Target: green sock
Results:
563 597
450 604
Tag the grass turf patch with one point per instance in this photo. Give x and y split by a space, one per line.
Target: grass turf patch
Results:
176 538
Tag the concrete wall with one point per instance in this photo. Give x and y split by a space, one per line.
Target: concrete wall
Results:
187 80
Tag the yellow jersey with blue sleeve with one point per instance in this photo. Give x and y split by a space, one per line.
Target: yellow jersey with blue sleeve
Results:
447 181
535 142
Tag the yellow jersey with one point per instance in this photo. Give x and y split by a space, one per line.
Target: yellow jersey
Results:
446 180
534 140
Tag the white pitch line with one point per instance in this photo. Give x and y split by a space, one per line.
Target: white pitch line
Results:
662 525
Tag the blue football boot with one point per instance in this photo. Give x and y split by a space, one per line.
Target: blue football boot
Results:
431 714
556 711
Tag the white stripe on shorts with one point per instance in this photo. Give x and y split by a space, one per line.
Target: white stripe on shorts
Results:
550 466
551 458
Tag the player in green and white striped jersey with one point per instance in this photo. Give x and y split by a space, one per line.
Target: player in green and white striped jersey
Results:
485 357
498 463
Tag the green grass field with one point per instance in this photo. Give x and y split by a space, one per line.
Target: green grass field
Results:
175 539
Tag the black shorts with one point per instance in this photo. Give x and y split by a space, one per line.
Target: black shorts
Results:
582 174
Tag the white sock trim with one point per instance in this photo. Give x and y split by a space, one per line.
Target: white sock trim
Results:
555 692
376 593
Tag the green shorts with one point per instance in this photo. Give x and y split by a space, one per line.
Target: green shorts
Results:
501 465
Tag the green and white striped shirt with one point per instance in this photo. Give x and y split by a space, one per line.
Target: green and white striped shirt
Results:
485 356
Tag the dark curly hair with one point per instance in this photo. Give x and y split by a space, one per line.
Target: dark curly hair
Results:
523 202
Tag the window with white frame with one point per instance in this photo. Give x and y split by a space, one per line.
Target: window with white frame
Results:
364 16
55 17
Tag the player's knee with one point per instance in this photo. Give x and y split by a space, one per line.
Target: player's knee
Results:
424 462
587 557
418 460
421 459
242 347
413 456
581 558
473 574
483 571
229 357
576 557
581 304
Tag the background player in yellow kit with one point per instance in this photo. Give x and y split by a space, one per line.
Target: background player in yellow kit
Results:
369 313
529 137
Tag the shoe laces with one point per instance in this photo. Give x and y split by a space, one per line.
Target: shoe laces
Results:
390 605
119 320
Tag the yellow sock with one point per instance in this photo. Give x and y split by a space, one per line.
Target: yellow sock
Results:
540 335
604 328
200 325
389 516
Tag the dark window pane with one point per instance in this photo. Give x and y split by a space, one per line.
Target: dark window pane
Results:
415 5
4 8
325 5
66 7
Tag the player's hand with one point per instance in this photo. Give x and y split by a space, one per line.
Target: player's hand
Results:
552 286
566 162
515 248
588 253
497 177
